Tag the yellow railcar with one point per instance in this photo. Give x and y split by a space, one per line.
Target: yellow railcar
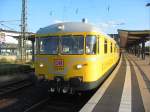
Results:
74 56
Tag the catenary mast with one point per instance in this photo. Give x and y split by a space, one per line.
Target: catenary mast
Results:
23 37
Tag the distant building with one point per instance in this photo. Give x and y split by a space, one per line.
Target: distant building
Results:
9 42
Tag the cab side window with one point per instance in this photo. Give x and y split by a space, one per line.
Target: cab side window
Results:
91 44
98 44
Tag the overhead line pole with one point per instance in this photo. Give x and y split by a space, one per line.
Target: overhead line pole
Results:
22 39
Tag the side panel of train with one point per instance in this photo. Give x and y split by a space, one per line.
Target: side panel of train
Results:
80 72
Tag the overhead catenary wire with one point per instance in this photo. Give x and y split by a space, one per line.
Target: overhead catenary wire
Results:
10 21
7 27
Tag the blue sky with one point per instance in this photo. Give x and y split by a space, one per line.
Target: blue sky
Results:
109 15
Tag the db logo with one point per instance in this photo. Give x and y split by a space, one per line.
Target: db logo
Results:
59 62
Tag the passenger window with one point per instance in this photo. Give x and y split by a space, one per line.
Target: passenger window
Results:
37 51
115 48
105 46
98 47
111 47
91 44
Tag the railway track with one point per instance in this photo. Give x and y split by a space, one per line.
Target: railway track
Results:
14 86
60 103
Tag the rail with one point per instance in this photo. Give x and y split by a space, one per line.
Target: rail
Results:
14 86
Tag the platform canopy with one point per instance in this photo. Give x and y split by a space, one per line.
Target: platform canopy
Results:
132 37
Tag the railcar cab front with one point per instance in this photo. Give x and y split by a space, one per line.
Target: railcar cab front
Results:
67 59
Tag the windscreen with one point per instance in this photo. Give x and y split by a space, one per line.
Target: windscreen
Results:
72 45
49 45
62 45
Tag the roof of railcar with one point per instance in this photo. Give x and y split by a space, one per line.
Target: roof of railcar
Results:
70 27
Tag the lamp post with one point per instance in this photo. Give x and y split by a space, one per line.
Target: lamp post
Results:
148 5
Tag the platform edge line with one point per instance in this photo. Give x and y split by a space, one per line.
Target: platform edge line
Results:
126 102
142 86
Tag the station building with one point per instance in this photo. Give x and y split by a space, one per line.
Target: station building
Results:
9 47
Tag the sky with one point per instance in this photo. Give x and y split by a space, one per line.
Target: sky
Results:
109 15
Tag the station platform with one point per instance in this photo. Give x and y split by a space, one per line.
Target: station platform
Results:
127 89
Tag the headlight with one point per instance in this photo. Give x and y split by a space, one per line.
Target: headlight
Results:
79 66
41 65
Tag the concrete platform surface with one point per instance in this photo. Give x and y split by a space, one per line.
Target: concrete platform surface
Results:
126 90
